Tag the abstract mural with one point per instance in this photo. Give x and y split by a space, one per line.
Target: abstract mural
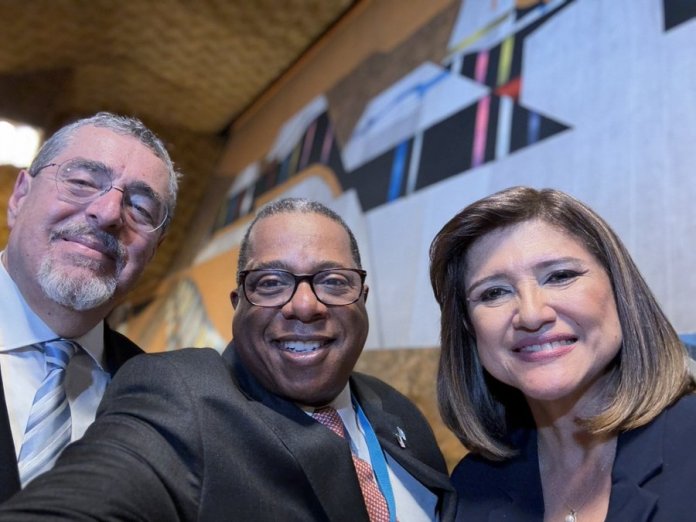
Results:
594 97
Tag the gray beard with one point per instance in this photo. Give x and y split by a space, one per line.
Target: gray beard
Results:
79 294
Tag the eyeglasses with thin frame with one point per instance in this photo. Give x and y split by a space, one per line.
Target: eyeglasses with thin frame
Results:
274 288
81 181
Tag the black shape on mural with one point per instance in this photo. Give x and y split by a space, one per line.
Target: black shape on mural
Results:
447 148
676 12
373 180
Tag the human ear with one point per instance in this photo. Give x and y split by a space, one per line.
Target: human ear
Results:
234 298
19 194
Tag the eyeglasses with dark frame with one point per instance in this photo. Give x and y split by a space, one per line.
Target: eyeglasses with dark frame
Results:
82 181
274 288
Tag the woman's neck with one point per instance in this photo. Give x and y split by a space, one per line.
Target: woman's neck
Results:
575 469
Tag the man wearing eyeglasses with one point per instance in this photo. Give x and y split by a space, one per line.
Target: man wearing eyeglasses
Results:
279 428
85 218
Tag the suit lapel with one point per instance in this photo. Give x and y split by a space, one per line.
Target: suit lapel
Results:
525 496
386 426
638 459
323 456
117 349
9 474
520 480
391 429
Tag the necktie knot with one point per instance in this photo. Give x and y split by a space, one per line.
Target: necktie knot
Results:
330 418
58 353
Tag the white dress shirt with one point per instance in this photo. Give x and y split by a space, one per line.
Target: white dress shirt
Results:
414 502
23 367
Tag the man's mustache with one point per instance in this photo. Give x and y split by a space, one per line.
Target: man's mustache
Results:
109 244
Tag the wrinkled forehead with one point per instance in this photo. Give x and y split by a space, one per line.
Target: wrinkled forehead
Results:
125 157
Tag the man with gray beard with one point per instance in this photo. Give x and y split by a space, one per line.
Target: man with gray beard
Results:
82 294
75 248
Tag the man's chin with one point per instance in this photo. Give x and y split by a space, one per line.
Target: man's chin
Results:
81 289
78 299
314 398
95 267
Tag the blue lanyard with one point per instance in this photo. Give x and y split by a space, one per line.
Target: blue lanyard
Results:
379 462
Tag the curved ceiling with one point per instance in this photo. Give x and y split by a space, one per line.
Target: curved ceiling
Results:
186 68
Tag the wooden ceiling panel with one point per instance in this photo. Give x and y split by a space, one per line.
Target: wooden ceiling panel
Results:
194 65
187 69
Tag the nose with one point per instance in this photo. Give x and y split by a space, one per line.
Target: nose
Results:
304 305
533 309
107 210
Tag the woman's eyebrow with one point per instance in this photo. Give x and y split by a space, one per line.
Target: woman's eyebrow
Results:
543 264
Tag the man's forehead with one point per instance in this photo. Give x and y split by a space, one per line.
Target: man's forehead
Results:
96 138
284 234
121 154
295 223
105 143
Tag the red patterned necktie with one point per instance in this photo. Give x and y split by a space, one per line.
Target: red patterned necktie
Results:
374 500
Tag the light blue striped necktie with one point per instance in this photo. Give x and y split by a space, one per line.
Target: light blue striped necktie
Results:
49 427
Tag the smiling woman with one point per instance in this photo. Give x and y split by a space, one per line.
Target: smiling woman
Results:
557 360
544 313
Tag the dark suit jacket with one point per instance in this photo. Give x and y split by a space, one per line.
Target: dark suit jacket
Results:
188 435
117 349
653 478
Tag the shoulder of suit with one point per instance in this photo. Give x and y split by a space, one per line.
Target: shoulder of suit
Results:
672 430
190 356
193 360
390 398
681 416
200 371
376 385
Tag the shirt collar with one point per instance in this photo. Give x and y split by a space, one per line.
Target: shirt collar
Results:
21 326
93 344
341 402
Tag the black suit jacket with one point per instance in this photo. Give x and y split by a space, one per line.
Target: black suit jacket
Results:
117 350
191 436
653 477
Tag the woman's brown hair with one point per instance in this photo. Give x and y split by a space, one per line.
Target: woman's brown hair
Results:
649 373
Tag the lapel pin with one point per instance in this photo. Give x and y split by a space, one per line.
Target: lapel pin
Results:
400 437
